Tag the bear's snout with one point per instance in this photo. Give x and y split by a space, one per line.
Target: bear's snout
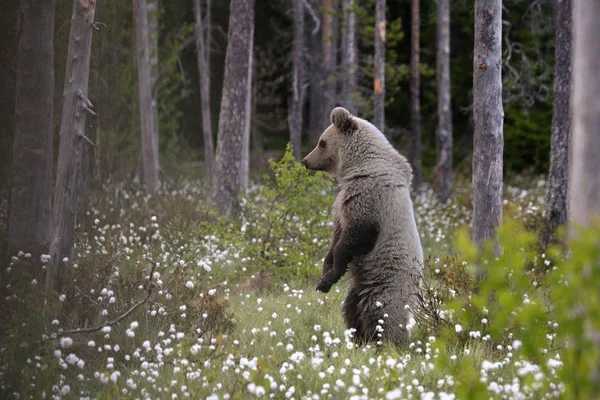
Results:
305 163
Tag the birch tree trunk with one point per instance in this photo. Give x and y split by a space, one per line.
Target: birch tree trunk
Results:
349 49
297 98
379 83
330 40
415 100
444 109
584 188
153 42
73 142
245 170
30 197
488 118
232 141
203 56
558 176
147 118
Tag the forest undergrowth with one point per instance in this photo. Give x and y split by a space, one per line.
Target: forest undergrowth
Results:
165 299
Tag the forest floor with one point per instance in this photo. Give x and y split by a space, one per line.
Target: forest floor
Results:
228 316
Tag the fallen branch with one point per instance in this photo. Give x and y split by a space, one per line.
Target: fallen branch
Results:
120 318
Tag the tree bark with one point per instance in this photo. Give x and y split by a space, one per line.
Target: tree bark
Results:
330 47
349 49
297 97
245 169
584 190
30 199
379 82
73 142
558 176
444 109
415 100
203 57
318 83
231 142
488 118
147 118
153 14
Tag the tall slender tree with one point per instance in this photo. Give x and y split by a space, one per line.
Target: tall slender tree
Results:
558 177
30 197
444 109
203 36
73 141
488 118
379 82
584 188
316 73
349 54
296 101
415 97
232 142
330 52
146 101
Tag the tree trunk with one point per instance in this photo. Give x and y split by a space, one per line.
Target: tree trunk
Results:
584 188
147 119
488 118
231 141
30 199
317 81
558 176
349 49
153 14
330 40
203 56
444 110
297 98
73 142
379 82
245 170
415 101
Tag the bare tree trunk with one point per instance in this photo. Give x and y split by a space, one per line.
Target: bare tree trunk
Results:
317 80
245 170
73 142
488 118
444 110
558 177
30 207
349 48
297 98
231 141
147 119
153 41
379 83
330 39
584 188
203 56
415 98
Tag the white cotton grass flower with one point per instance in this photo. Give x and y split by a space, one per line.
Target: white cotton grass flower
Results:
66 342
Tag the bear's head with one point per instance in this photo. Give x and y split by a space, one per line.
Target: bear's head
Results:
352 146
332 143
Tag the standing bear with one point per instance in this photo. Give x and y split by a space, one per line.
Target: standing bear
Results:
375 234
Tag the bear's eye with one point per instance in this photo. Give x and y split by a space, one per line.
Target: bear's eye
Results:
321 143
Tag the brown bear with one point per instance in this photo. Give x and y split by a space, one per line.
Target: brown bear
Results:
375 233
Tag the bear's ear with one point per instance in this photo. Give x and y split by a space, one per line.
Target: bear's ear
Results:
342 119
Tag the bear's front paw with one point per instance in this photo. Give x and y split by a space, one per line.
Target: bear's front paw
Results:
323 286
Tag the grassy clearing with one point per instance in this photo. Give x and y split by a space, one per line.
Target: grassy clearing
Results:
233 312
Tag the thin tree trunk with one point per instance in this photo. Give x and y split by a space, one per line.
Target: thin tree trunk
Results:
415 98
30 207
245 170
147 119
73 142
330 40
349 48
297 98
153 42
231 142
379 83
558 177
317 81
584 188
444 110
203 56
488 118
